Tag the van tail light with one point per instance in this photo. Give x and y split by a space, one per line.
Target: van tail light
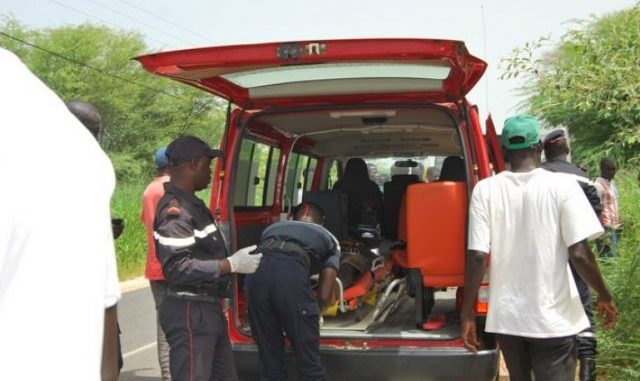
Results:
482 303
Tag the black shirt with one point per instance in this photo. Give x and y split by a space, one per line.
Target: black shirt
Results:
188 242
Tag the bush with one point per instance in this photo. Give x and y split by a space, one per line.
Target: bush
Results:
619 348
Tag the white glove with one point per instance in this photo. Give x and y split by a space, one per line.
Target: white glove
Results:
244 263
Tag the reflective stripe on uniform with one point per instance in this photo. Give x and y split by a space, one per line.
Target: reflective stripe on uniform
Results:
212 228
174 242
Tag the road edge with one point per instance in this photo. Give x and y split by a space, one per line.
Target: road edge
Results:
134 284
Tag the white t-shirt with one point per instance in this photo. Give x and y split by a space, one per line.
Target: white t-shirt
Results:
527 221
57 260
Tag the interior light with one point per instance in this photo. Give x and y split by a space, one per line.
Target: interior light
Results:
362 113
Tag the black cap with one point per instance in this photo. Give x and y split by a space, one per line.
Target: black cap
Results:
186 148
553 136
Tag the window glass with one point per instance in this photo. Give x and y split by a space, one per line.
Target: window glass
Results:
334 174
254 183
311 171
300 170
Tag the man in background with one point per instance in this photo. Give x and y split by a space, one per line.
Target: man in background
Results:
153 270
610 217
89 116
556 153
58 275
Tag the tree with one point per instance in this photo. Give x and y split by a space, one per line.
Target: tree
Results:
589 83
140 112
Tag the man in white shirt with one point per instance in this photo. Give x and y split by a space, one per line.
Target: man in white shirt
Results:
58 274
533 222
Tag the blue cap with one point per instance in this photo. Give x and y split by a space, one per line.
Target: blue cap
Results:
161 158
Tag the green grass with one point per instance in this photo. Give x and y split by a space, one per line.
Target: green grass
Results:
618 348
131 247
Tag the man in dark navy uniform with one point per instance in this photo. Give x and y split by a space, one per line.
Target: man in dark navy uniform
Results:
196 268
280 297
556 152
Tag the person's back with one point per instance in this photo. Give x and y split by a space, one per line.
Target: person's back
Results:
279 295
57 261
314 239
533 222
529 253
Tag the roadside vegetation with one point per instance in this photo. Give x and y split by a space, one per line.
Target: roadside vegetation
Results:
590 84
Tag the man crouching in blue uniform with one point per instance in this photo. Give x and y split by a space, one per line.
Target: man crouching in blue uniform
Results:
280 297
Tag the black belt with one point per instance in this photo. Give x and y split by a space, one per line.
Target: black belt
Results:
291 248
209 293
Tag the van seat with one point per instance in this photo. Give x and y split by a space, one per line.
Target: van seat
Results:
394 191
435 232
334 206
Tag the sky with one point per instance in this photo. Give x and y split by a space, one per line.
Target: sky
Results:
490 28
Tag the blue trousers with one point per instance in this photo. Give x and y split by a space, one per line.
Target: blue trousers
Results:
281 303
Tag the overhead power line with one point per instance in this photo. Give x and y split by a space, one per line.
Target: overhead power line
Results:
141 22
79 63
162 43
159 17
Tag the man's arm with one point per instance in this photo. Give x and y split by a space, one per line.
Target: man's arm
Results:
584 262
326 284
110 367
474 272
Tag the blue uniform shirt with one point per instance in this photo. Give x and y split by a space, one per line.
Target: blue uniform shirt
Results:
321 246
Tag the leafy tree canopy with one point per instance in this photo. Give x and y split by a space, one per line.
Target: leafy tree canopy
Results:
589 83
140 112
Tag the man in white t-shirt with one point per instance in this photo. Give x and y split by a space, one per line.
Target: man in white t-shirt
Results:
533 222
58 274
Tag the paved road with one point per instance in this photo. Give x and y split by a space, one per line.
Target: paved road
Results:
136 314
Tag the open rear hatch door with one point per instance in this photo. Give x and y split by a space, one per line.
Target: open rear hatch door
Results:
259 76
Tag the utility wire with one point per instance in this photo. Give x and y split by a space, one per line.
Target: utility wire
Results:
141 22
159 17
162 44
79 63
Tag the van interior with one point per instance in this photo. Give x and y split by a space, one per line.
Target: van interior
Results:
416 156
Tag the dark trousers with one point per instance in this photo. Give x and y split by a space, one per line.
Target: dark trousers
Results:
280 299
551 359
586 339
199 342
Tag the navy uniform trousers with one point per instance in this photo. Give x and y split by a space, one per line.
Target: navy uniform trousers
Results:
280 299
197 333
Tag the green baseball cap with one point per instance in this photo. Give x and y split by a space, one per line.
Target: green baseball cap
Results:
520 132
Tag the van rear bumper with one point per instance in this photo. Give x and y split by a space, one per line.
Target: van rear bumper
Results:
382 364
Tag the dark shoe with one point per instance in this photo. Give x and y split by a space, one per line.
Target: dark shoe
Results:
588 369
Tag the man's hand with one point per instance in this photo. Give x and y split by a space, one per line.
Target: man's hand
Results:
469 334
608 311
243 262
117 227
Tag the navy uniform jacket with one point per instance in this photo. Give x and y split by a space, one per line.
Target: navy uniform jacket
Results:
189 244
320 245
587 186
